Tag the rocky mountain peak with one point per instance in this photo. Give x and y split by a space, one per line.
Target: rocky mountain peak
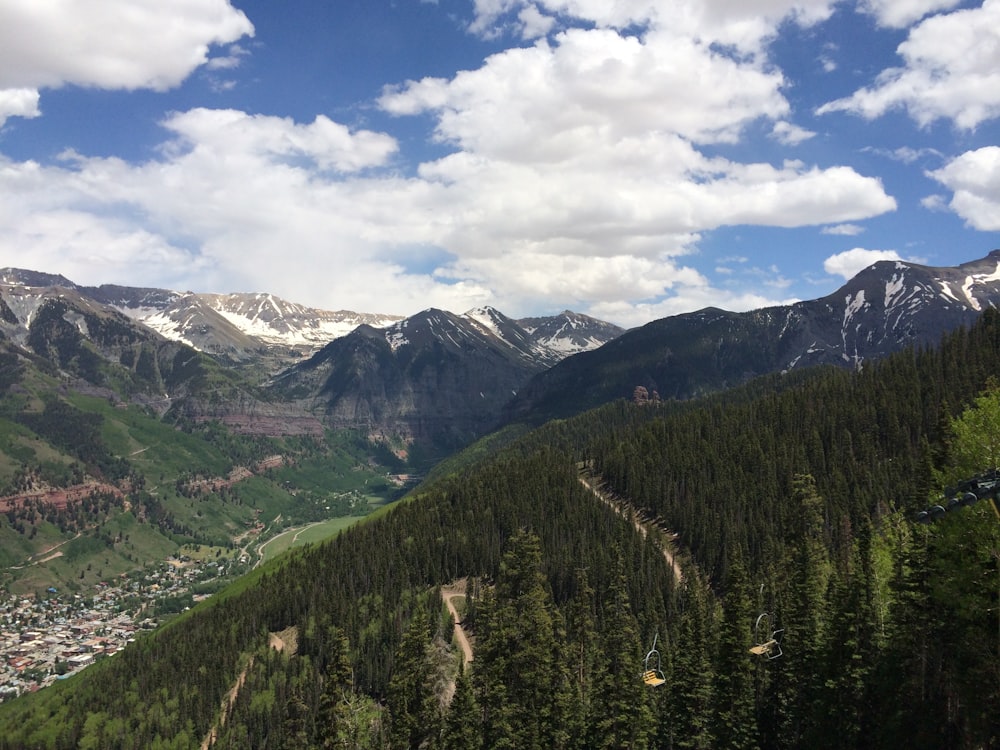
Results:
884 308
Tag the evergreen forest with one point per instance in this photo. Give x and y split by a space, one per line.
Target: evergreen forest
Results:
665 537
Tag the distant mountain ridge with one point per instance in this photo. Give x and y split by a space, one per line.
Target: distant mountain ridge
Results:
448 379
238 326
268 366
884 308
234 326
570 332
434 376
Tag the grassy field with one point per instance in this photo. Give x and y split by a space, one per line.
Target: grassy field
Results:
338 476
299 535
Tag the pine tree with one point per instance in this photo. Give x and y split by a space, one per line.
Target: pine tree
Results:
407 696
735 724
907 685
800 692
333 720
847 719
296 729
693 678
622 716
519 677
462 727
583 655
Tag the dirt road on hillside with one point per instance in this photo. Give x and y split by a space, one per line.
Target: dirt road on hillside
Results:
286 639
626 510
448 593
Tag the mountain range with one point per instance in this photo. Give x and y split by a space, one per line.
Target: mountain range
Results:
120 447
238 327
263 365
886 307
764 539
279 368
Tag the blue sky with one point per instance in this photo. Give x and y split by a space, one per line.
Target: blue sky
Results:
628 159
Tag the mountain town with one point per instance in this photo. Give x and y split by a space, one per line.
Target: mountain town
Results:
52 636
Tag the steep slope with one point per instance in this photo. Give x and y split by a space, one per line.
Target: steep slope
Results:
435 377
98 346
886 307
99 350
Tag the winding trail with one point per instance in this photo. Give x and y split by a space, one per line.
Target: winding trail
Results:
457 588
287 638
449 592
643 526
50 553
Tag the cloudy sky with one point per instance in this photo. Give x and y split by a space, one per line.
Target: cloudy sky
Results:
629 159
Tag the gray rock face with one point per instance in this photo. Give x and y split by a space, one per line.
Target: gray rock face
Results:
435 377
885 308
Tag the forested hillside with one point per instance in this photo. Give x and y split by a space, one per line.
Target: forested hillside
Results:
793 497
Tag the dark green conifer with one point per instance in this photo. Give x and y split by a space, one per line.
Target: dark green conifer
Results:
519 679
735 724
621 711
693 677
805 620
333 718
462 726
583 656
407 698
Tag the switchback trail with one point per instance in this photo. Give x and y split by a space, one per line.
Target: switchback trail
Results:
643 524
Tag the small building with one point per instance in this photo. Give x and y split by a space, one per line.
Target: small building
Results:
81 660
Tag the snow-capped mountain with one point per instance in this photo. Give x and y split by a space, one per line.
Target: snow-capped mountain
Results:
570 332
886 307
215 323
434 376
239 327
265 318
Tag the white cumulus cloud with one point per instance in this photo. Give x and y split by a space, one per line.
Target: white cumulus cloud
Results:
851 262
974 179
847 230
582 168
18 103
902 13
951 71
110 44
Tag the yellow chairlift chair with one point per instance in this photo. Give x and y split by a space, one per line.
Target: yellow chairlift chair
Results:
652 673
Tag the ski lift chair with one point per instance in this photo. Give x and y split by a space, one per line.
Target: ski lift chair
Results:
767 642
652 672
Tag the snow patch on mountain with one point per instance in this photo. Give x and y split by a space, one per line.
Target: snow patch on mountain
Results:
486 317
396 337
164 325
893 289
298 331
